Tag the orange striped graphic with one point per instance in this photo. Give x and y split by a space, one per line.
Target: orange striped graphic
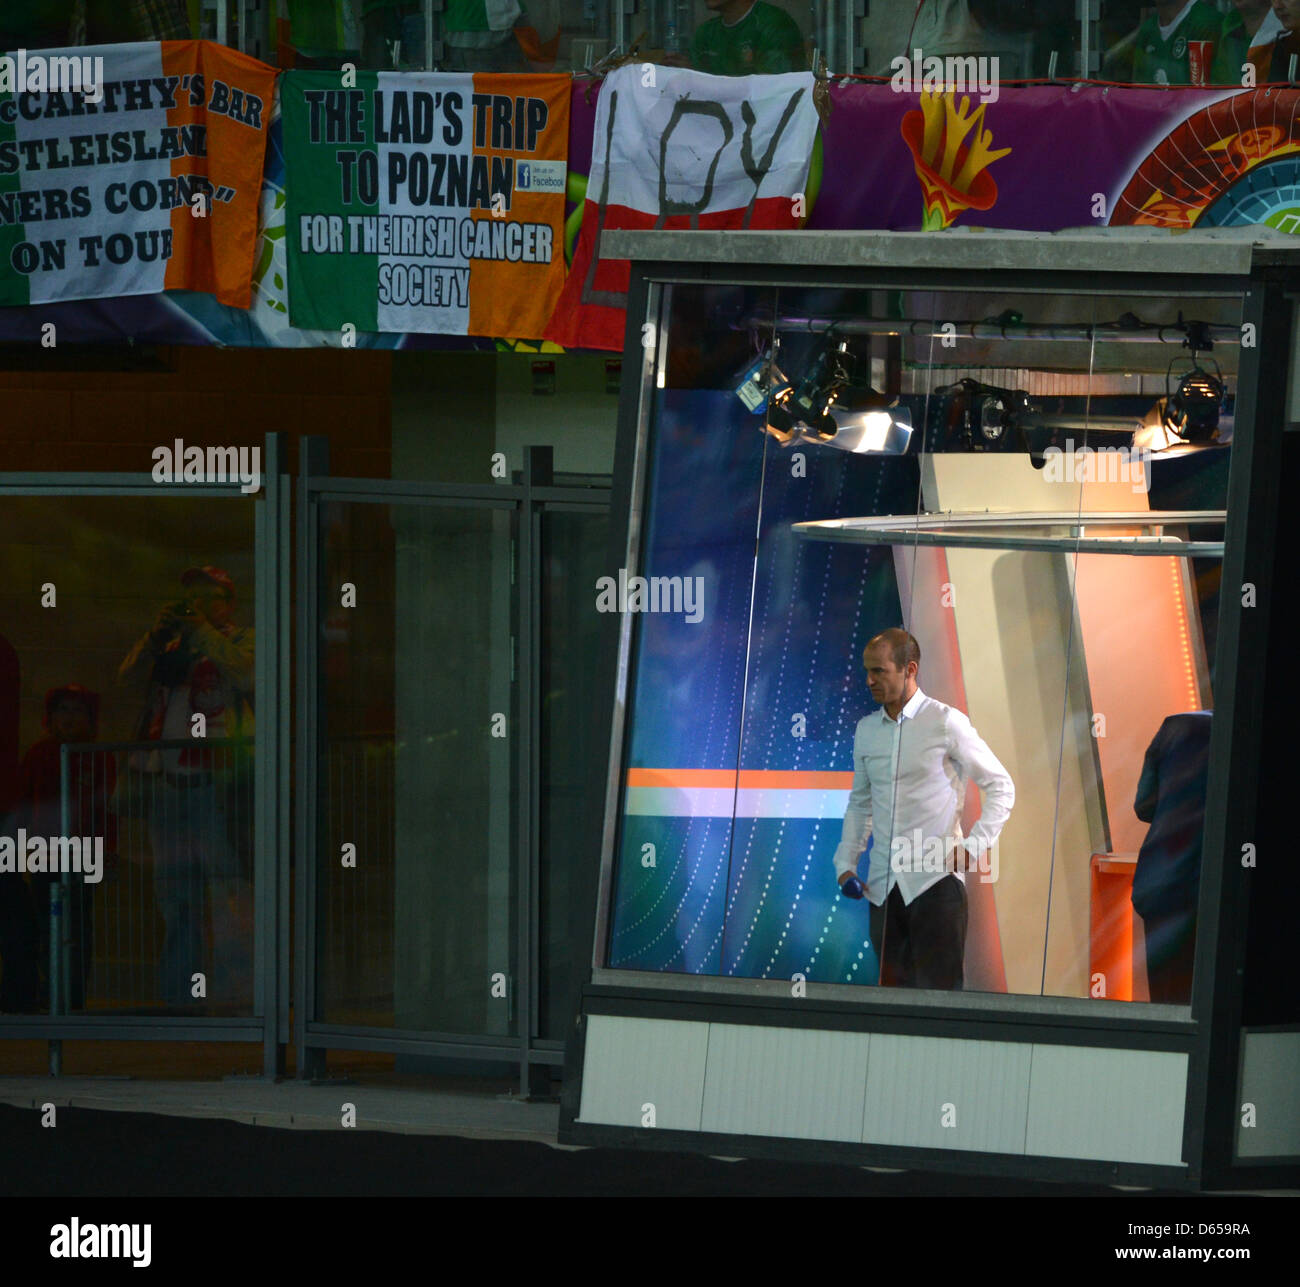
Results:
747 779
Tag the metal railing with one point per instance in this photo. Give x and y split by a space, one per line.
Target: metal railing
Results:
358 904
143 896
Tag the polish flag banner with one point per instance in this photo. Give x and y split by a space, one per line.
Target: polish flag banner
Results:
679 149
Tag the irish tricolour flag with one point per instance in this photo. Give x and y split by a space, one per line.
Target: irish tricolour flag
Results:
425 201
130 169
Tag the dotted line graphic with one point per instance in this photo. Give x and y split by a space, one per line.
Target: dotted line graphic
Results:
666 886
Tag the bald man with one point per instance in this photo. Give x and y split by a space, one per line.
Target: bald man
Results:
912 759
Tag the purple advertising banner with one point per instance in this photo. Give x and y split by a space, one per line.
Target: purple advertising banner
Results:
1043 158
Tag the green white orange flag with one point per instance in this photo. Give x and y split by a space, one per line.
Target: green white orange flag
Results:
425 201
130 169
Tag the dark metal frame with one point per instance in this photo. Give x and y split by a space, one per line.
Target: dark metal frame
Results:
274 789
1210 1034
528 500
270 855
1253 508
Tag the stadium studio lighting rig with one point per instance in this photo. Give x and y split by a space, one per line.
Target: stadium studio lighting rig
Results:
828 406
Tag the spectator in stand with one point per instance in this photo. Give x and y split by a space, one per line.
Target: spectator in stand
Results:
748 38
1249 29
480 36
71 715
1006 27
386 24
1288 13
1160 43
1117 32
195 660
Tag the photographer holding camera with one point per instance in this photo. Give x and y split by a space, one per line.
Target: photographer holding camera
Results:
195 661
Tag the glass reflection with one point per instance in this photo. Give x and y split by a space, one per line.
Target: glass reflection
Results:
957 675
126 756
417 712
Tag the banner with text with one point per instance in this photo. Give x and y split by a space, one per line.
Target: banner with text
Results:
425 202
679 149
129 170
1159 158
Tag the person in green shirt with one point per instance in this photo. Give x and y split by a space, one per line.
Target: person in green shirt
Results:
480 37
1250 25
748 38
1160 53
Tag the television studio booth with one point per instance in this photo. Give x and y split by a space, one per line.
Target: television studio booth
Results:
1063 464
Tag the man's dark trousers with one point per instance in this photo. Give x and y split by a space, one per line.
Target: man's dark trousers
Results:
1171 947
921 944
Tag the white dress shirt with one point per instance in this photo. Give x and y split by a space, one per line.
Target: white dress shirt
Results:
909 784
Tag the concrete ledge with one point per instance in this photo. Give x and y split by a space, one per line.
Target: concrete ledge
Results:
1225 252
294 1105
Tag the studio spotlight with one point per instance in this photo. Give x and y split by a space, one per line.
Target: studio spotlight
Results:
762 382
808 406
983 417
866 421
826 407
781 423
1191 411
1188 417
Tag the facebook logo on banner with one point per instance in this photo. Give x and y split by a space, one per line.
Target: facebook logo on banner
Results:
541 176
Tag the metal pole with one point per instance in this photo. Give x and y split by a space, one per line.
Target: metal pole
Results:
925 329
58 906
270 796
284 765
824 36
538 472
313 463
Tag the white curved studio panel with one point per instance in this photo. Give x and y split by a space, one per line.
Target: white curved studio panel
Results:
1019 1098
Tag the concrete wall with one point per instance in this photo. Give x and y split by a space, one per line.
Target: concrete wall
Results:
64 414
